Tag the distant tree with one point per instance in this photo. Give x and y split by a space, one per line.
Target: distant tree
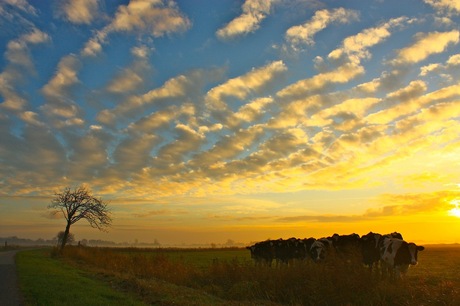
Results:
79 204
60 238
229 243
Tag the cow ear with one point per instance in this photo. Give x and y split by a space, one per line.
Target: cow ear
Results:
420 248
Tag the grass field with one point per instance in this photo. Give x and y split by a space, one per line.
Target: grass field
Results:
46 281
228 277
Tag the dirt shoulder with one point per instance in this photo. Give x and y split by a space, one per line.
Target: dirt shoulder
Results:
9 290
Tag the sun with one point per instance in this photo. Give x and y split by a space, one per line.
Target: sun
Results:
456 210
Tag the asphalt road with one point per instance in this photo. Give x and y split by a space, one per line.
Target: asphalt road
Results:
9 291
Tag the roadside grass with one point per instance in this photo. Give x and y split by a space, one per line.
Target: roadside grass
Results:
47 281
230 277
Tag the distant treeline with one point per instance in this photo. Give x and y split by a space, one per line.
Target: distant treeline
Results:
16 241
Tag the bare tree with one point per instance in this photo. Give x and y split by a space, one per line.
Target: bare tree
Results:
79 204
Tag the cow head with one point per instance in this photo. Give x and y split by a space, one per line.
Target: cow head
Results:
413 251
318 251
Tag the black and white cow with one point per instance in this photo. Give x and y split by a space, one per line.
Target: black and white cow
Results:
292 249
371 245
397 255
319 249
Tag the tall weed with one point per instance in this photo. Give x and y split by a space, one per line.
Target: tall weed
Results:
336 281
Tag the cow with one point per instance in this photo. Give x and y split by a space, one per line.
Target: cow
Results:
305 247
318 250
397 255
371 245
346 243
262 252
370 249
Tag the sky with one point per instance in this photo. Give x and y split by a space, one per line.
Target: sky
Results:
210 121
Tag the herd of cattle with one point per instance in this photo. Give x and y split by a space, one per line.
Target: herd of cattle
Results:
394 254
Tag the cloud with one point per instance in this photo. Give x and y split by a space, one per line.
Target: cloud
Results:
160 212
19 66
79 11
240 87
454 60
171 157
160 119
413 203
429 68
301 35
340 75
451 64
389 205
254 12
31 118
425 45
133 77
59 95
89 153
36 159
354 109
178 89
298 36
17 51
154 18
249 112
450 6
225 149
409 100
22 5
321 218
133 154
355 48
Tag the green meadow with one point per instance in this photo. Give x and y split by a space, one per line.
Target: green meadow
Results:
110 276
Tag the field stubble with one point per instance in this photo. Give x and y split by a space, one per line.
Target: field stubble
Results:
228 276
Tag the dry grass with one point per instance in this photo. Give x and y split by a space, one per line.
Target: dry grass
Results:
224 280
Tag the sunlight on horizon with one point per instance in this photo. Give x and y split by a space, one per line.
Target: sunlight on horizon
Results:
456 210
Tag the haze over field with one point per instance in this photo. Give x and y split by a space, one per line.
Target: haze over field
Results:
202 121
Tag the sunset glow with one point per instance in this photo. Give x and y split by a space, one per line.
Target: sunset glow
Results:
209 121
456 210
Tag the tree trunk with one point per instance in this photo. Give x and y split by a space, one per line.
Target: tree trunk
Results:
66 234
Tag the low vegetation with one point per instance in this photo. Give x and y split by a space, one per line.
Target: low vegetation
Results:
47 281
228 276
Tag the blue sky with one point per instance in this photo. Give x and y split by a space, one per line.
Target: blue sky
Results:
236 120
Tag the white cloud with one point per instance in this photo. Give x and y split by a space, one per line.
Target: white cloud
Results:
92 48
23 5
301 35
79 11
31 118
64 78
425 70
19 66
450 6
356 47
59 95
130 78
425 45
161 118
254 12
454 60
152 17
176 87
241 86
342 74
17 51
